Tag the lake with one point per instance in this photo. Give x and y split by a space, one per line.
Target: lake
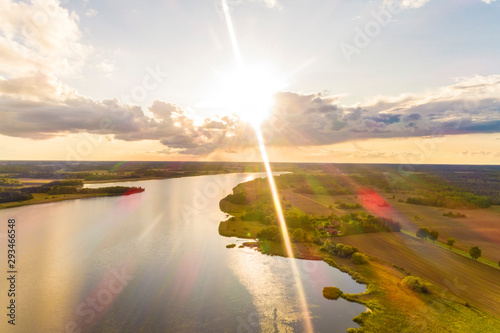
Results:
154 262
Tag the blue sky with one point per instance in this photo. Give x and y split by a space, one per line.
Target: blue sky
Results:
86 60
422 48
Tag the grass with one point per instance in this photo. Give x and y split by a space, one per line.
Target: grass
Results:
34 181
394 305
238 228
470 280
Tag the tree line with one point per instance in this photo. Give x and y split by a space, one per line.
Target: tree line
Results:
424 233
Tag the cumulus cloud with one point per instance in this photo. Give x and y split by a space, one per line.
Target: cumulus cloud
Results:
417 3
46 109
39 36
469 106
413 3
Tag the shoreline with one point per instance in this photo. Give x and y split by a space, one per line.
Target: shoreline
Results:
66 197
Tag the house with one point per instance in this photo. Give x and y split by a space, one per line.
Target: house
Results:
329 228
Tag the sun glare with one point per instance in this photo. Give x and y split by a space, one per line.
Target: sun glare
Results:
246 91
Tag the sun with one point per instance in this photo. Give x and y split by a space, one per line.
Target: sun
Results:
247 92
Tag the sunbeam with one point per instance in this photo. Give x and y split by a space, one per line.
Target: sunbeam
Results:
274 191
284 231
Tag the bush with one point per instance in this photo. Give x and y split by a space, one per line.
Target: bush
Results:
336 250
328 246
230 246
359 258
346 252
332 293
415 283
454 215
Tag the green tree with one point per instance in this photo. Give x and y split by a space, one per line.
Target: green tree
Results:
423 233
298 235
450 242
475 252
271 233
433 235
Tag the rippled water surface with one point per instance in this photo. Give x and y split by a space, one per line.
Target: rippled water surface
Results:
154 262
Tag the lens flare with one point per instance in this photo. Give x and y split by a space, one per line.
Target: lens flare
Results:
284 230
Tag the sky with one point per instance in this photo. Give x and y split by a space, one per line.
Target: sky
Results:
379 81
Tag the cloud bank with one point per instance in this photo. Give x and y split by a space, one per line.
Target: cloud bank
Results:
39 108
470 106
39 36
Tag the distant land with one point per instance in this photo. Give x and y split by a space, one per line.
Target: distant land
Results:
407 232
17 177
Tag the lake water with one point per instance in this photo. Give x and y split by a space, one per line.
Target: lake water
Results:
154 262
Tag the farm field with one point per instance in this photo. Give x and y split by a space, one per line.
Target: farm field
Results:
480 228
467 279
308 205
